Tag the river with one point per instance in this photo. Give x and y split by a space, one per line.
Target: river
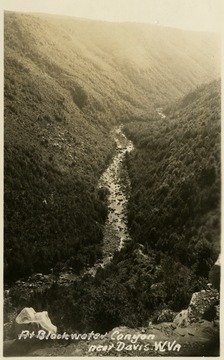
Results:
116 180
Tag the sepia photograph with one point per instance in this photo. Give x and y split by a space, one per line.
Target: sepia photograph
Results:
112 178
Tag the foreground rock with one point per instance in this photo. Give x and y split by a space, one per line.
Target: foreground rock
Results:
203 305
197 339
29 319
189 333
192 332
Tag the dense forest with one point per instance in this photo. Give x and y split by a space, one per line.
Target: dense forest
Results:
54 155
67 84
175 176
174 219
63 93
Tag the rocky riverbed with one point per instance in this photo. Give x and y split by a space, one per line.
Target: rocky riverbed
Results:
115 181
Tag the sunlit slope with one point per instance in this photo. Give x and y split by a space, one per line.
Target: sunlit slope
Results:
117 66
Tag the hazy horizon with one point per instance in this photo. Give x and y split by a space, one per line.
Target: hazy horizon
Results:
200 15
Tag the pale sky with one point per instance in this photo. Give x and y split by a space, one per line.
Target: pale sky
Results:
204 15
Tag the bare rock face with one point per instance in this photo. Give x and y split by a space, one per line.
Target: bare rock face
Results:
29 319
202 306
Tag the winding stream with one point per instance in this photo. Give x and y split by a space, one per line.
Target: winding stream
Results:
116 180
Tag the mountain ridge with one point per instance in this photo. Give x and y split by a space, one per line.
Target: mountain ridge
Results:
134 40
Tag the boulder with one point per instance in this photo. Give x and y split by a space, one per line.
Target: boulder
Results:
182 319
29 319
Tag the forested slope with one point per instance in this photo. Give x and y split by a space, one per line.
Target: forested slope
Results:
67 82
175 176
174 220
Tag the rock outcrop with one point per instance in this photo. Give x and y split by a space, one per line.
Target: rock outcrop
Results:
29 319
202 306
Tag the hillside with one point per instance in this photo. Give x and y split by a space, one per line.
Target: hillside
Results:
67 82
112 65
174 220
174 208
69 85
175 176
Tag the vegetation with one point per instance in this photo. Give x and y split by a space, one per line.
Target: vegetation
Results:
61 100
175 176
54 156
174 217
174 206
67 83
